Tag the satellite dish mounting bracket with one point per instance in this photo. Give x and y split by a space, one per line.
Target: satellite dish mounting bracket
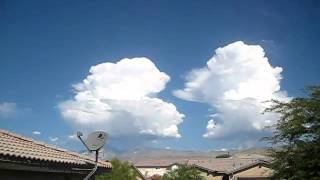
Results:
94 142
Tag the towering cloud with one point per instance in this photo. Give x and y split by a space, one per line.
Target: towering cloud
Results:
121 98
236 82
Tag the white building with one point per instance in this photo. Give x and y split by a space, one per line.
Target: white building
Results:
156 167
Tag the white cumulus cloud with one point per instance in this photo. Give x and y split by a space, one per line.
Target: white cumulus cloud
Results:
236 82
121 98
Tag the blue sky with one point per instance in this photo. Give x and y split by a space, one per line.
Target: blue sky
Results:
47 46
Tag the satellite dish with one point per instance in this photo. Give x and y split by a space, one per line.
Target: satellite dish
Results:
96 140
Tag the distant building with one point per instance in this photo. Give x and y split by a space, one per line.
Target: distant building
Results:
233 169
152 168
24 158
211 169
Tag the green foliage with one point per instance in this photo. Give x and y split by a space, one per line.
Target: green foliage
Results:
183 173
223 156
120 171
297 137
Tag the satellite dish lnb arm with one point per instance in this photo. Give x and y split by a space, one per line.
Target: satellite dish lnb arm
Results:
79 134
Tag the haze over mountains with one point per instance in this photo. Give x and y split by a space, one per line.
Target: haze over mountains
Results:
140 154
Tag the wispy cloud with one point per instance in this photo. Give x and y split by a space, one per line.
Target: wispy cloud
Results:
267 41
7 109
36 132
53 139
72 137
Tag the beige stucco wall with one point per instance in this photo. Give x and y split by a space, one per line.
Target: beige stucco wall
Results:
153 171
256 171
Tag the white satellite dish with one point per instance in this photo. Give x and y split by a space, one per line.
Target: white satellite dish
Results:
96 140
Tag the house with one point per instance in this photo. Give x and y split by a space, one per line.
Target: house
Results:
211 169
233 169
25 158
152 168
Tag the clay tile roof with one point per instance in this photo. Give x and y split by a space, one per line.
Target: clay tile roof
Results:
158 163
17 146
225 164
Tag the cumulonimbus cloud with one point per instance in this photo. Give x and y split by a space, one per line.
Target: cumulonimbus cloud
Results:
121 98
237 81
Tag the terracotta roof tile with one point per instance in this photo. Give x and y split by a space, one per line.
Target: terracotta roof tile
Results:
158 163
224 164
14 145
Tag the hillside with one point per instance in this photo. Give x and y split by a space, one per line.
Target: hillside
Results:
176 155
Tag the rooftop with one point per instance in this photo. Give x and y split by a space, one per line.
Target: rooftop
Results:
158 163
17 148
223 165
226 165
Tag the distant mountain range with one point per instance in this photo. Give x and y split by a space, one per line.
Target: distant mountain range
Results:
167 154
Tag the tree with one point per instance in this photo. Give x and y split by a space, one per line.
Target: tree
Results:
296 137
223 155
184 172
120 171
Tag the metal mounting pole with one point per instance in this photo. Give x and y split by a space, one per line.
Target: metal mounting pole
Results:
95 167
